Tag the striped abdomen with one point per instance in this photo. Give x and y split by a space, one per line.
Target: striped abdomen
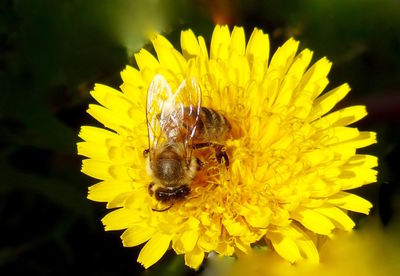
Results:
212 127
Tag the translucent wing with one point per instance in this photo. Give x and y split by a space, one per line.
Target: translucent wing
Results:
173 117
188 104
159 100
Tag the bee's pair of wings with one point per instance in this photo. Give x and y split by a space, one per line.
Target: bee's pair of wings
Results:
172 117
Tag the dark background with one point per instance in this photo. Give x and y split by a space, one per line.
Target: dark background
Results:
52 53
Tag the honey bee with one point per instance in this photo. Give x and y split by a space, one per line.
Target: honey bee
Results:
177 124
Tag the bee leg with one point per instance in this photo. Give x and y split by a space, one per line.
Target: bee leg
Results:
220 154
163 210
201 145
200 164
146 152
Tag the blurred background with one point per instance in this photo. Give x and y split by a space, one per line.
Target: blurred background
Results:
53 52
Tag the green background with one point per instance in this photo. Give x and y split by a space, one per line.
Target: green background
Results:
52 53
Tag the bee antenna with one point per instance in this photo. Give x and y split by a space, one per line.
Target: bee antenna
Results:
163 210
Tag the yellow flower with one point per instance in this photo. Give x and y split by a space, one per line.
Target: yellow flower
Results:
290 161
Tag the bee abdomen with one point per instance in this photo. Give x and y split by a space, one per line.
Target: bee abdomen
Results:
213 125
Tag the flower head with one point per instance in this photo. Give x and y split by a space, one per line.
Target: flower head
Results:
290 160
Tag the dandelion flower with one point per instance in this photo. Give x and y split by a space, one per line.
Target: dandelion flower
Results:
292 160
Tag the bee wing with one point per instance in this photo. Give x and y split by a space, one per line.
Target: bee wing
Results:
159 104
173 116
187 100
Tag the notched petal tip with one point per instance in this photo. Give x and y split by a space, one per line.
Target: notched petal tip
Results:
194 258
154 249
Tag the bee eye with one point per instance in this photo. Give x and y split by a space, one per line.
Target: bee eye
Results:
146 152
162 195
183 191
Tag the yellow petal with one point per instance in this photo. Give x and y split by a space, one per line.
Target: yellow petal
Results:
107 190
280 64
136 235
244 247
146 60
111 99
97 135
90 150
208 243
293 77
284 246
159 40
355 177
139 200
337 135
224 248
340 218
105 170
113 120
120 172
350 202
258 47
194 258
168 57
327 101
259 219
313 221
235 227
342 117
119 201
154 249
319 156
239 71
238 42
96 169
220 43
314 80
136 93
189 239
203 46
132 76
120 219
362 160
306 246
270 130
189 44
365 138
283 57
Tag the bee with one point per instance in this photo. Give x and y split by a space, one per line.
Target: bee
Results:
177 124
